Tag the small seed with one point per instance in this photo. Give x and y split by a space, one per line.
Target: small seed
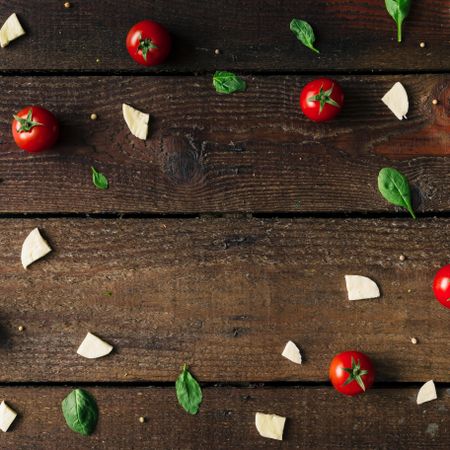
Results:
93 116
142 419
422 45
217 51
67 5
97 60
402 257
21 328
413 340
435 101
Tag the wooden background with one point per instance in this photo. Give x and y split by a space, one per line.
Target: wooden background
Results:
229 231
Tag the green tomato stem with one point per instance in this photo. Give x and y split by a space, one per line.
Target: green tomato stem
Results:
399 32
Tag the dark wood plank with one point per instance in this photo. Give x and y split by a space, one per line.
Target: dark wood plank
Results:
252 152
318 419
251 35
224 296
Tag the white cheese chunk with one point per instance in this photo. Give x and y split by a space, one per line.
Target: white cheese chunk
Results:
34 247
361 288
270 425
427 393
292 353
137 121
10 30
7 416
93 347
396 99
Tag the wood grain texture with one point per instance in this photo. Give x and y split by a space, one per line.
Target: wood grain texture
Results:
222 295
250 152
251 35
381 419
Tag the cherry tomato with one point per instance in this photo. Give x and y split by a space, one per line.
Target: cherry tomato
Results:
351 372
322 99
148 43
35 129
441 285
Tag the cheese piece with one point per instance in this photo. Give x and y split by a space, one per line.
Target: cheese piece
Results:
292 353
427 393
361 288
7 416
270 425
93 347
396 99
34 247
137 121
10 30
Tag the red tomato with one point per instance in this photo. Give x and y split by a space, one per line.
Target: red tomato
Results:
441 285
352 372
148 43
35 129
322 99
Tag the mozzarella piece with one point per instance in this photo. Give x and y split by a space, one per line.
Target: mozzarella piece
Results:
292 353
396 99
7 416
10 30
427 393
34 247
270 425
361 288
137 121
93 347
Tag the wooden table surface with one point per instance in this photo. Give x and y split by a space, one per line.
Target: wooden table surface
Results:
229 231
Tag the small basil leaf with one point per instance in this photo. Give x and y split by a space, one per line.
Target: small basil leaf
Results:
304 33
99 180
80 411
228 82
399 10
394 187
189 393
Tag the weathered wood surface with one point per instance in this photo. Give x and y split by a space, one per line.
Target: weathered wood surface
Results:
318 419
222 295
251 152
251 35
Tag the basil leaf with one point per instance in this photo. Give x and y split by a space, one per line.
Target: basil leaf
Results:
80 411
99 180
304 33
394 187
399 10
189 393
228 82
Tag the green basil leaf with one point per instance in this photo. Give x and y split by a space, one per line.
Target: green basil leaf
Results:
80 411
99 180
189 393
304 33
399 10
394 187
228 82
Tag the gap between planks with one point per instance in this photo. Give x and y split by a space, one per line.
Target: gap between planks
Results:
227 215
204 73
218 385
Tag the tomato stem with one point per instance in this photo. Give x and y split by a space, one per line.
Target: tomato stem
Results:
27 124
145 45
355 374
324 97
